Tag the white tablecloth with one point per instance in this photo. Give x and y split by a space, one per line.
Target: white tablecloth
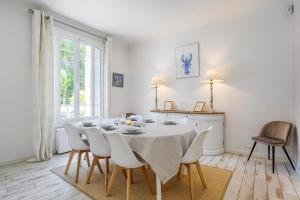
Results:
162 146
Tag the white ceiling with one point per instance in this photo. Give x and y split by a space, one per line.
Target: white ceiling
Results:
136 20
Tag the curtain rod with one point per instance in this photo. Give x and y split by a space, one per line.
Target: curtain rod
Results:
71 26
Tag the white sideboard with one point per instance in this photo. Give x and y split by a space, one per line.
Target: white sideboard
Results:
214 142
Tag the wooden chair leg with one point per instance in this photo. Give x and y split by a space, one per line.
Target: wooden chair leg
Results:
128 183
78 166
268 152
95 160
200 174
131 176
179 172
287 155
124 173
112 179
87 158
144 170
99 167
273 158
107 164
189 166
69 161
252 151
106 173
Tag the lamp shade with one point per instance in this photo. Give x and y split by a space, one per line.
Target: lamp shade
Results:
157 81
212 76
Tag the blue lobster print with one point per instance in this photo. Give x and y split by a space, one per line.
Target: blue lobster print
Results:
187 63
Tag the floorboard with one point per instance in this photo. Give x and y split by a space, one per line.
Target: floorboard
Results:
250 180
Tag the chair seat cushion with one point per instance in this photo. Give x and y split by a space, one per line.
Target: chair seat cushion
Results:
268 140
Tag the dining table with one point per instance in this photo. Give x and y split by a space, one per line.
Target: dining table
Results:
162 147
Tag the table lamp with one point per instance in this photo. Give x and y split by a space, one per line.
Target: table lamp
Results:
212 77
156 82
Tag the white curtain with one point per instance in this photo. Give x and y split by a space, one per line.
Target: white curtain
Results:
107 77
43 85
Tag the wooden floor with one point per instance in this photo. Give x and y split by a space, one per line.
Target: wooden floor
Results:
250 180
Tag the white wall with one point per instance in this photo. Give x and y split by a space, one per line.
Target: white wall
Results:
120 64
296 139
15 81
253 51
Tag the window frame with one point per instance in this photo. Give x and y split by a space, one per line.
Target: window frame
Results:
78 37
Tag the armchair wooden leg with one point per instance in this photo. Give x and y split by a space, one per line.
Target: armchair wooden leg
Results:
201 174
128 183
69 161
112 179
99 166
87 158
179 172
189 166
106 173
144 170
268 152
273 158
107 164
78 166
95 160
252 151
131 176
286 153
124 173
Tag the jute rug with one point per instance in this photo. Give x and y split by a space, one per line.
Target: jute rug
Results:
216 181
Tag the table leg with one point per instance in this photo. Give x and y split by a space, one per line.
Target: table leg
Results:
158 188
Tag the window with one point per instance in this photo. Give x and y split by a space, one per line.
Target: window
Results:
78 75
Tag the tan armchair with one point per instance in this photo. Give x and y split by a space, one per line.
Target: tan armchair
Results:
275 133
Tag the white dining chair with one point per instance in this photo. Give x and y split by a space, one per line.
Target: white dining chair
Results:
124 158
100 148
77 145
192 156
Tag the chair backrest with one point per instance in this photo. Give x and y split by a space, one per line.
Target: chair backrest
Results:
121 153
98 143
278 129
74 138
195 150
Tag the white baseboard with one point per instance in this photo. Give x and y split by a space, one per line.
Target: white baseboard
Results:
12 162
255 154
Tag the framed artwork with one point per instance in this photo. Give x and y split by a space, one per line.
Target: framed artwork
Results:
168 105
117 80
199 106
187 61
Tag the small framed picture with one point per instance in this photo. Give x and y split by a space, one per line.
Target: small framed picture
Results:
199 106
117 80
168 105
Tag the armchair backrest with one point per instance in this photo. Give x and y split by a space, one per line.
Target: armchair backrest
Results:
74 137
195 150
121 153
279 130
98 143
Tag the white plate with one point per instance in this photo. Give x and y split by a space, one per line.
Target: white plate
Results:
131 133
87 124
169 123
149 121
131 129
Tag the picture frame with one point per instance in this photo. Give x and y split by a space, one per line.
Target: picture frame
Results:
117 80
187 61
168 105
199 106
